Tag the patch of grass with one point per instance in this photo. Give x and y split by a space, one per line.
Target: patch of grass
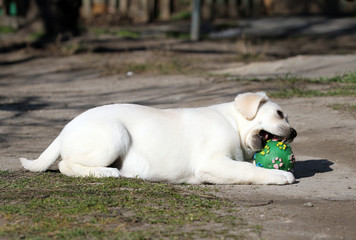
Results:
349 77
170 66
291 86
343 85
344 107
73 48
35 35
50 205
122 33
247 50
6 29
257 229
297 92
178 35
98 31
182 15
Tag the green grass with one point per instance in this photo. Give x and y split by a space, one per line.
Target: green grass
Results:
349 77
35 35
182 15
167 67
50 205
330 92
6 29
291 86
178 35
122 33
342 85
345 107
73 48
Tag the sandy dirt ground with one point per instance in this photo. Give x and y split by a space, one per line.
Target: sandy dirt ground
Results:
41 93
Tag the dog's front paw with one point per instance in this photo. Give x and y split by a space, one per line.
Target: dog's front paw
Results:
280 177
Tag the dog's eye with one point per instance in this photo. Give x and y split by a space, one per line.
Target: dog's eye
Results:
280 114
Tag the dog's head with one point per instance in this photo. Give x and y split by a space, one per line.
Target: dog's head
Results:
261 120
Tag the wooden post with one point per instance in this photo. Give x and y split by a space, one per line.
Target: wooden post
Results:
207 10
144 11
232 8
165 9
138 11
112 6
195 22
151 9
86 10
123 7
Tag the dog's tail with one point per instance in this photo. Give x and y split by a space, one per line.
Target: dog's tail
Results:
45 160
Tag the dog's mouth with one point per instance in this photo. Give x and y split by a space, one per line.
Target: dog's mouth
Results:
260 137
265 136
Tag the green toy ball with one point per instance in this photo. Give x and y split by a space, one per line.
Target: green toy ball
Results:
275 155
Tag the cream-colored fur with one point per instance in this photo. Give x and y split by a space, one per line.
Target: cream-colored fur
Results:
212 144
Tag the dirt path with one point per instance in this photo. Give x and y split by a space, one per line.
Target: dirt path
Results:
40 94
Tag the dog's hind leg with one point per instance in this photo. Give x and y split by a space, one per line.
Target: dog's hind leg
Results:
65 169
91 147
77 170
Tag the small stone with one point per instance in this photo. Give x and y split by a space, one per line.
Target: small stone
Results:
308 204
349 187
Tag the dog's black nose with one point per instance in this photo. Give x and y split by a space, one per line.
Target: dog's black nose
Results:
293 133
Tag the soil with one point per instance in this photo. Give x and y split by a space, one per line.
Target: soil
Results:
42 91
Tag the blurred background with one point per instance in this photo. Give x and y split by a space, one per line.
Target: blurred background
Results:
38 22
59 58
216 40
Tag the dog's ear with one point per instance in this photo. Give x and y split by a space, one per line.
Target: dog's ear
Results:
248 103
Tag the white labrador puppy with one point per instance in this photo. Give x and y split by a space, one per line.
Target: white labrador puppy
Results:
198 145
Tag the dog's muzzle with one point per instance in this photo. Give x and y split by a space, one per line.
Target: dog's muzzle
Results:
264 136
293 134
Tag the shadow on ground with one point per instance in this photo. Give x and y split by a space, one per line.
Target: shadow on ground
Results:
308 168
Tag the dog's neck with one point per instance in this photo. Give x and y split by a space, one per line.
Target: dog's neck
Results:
244 131
236 120
229 112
